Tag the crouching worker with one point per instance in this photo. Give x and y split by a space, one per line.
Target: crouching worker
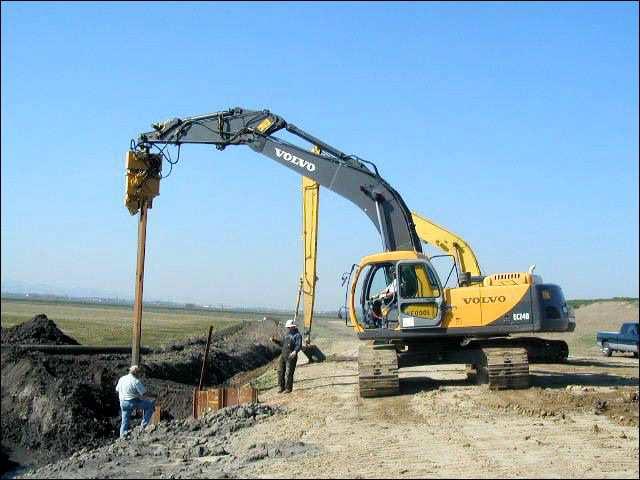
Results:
291 345
130 392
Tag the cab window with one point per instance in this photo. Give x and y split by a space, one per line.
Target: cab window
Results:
379 280
359 295
417 280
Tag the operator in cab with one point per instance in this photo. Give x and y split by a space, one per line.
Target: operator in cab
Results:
387 293
383 303
291 346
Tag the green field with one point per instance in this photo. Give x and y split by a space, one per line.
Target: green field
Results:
581 303
93 324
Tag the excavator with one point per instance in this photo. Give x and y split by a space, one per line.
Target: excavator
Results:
395 300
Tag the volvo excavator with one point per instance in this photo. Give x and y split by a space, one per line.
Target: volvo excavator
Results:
416 321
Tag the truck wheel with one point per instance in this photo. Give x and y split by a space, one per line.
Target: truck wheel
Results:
606 350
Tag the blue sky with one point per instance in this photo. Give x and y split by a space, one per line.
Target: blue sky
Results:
514 125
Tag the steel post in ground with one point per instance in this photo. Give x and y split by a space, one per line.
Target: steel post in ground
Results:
295 315
204 360
137 305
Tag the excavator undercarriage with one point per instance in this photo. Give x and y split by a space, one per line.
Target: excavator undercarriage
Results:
497 367
500 363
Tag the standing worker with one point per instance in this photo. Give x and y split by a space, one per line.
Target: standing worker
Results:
291 345
130 392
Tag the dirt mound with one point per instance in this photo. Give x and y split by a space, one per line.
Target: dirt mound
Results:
52 405
619 404
39 330
178 449
234 350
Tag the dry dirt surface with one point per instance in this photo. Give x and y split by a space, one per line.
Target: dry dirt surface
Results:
579 419
178 449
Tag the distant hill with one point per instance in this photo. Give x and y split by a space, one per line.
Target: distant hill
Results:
582 302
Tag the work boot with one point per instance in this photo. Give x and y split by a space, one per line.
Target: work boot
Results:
281 390
288 390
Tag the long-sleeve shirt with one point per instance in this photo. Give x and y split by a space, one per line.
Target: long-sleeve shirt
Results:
292 342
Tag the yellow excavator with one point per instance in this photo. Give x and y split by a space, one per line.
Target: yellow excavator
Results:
395 300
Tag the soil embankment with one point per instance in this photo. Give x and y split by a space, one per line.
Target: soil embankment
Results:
53 405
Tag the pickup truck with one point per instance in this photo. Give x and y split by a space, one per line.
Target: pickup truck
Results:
624 341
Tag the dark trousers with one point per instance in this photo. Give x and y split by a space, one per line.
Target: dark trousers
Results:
286 368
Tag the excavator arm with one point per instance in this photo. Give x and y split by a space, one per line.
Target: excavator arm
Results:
310 206
432 233
347 175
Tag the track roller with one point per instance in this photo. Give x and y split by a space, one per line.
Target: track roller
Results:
378 371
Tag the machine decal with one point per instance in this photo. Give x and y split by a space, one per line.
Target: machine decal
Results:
295 160
499 299
408 322
519 317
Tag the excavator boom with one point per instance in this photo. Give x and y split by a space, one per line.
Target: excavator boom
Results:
347 175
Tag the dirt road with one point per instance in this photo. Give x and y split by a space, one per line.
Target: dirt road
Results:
442 426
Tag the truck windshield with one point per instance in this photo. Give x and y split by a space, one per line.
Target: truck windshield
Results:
630 328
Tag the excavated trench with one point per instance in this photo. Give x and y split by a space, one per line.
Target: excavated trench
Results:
53 405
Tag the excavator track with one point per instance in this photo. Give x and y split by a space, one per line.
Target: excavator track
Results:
378 371
504 368
539 350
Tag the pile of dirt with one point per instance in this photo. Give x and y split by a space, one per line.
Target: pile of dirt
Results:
242 348
39 330
620 404
53 405
179 449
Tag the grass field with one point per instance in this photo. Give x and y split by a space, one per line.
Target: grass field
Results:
111 324
93 324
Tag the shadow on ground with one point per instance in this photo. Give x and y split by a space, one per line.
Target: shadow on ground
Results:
585 362
561 380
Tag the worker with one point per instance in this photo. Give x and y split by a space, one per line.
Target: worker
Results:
291 345
131 394
387 294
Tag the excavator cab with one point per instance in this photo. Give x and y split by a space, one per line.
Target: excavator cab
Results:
395 290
